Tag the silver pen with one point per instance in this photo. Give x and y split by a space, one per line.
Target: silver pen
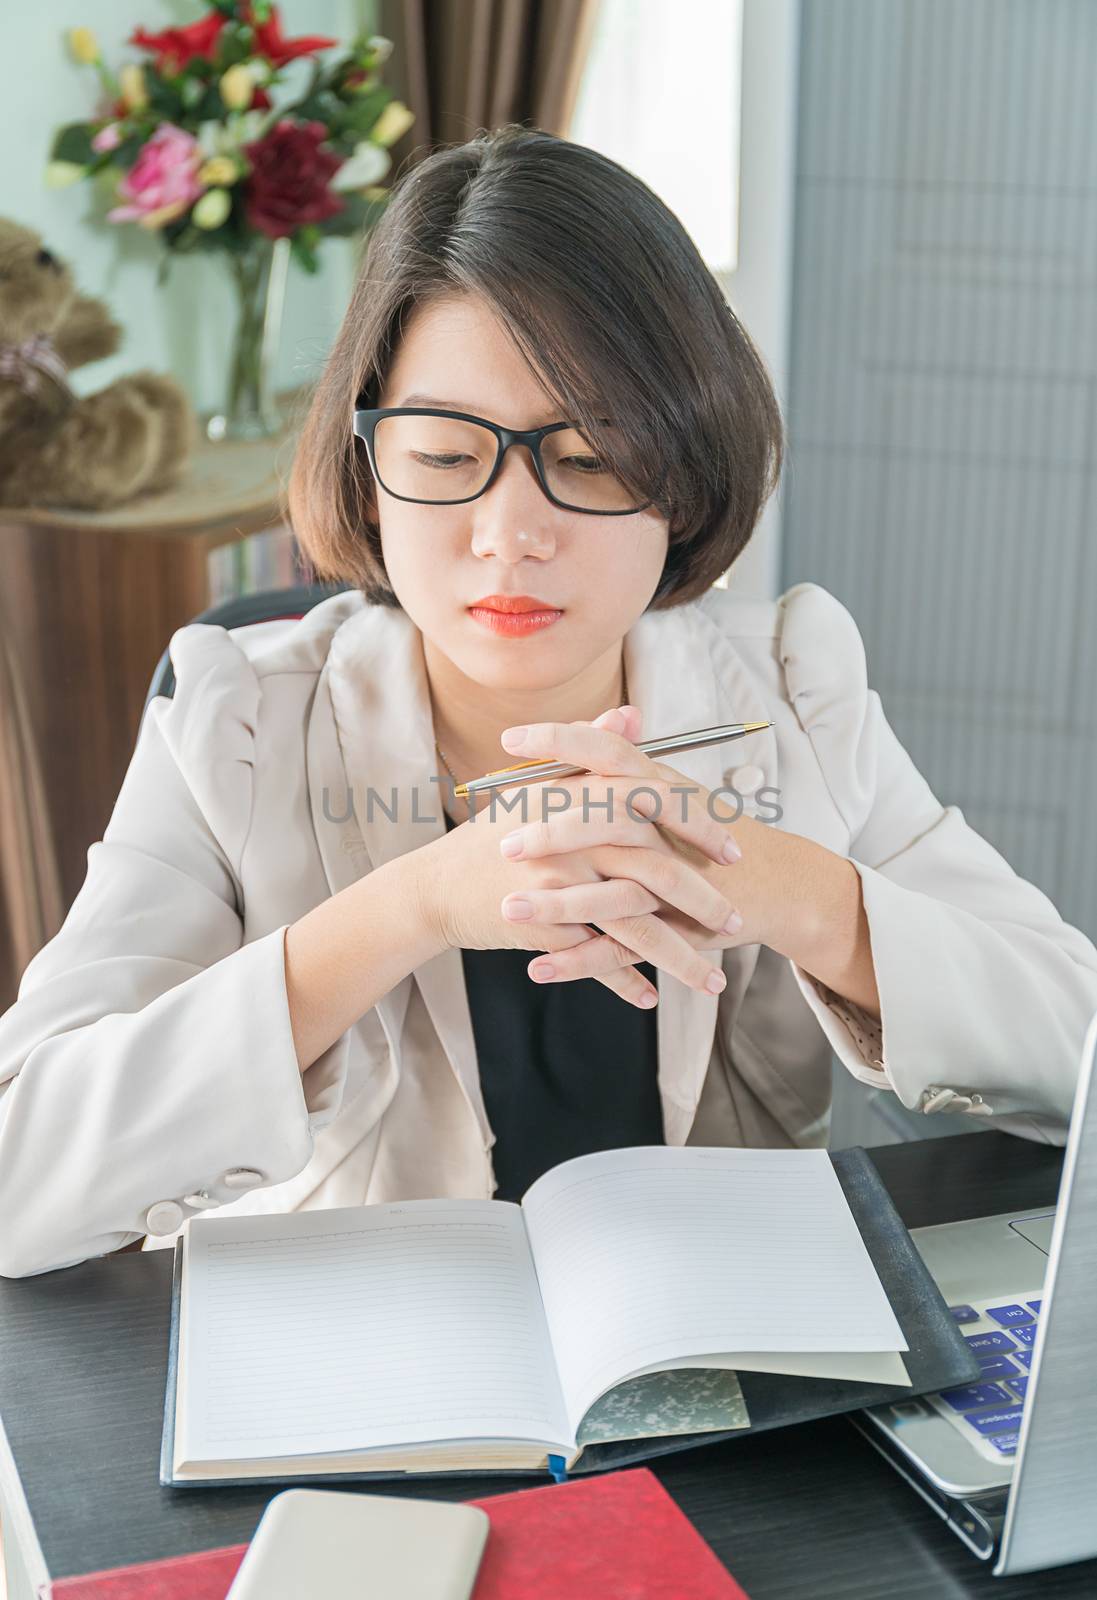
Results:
534 771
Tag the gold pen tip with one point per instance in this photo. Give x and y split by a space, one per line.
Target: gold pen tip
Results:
461 790
756 727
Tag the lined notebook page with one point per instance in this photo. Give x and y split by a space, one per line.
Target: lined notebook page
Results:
363 1326
655 1253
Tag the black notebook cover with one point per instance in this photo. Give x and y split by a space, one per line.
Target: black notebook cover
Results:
937 1358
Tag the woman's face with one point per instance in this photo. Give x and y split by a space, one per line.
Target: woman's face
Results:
599 572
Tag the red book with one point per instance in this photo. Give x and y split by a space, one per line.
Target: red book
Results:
619 1536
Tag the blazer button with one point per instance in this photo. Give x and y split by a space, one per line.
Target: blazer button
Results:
745 780
242 1178
163 1217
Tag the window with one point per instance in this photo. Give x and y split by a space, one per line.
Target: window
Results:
660 95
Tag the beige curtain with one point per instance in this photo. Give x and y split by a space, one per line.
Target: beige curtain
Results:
463 65
31 906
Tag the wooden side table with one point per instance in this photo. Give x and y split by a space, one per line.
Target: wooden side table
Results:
88 603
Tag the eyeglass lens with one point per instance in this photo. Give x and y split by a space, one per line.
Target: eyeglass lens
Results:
442 459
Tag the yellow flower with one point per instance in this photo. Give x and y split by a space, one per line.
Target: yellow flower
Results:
212 209
156 219
238 87
131 81
59 174
84 46
218 170
394 121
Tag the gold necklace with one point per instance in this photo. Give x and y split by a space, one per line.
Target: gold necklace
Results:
453 776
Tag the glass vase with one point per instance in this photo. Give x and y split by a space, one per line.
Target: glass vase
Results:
250 411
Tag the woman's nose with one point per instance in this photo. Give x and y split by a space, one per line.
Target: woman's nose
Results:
512 538
512 518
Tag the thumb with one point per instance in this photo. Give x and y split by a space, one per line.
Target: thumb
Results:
634 722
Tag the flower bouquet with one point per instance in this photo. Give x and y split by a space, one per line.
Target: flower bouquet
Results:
226 135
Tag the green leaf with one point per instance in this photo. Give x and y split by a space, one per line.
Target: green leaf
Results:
73 143
303 248
128 151
166 96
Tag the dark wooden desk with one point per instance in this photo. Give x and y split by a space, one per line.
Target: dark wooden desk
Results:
807 1511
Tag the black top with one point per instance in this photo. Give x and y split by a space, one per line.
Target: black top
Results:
565 1068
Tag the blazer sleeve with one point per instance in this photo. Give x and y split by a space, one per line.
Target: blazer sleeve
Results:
985 991
149 1055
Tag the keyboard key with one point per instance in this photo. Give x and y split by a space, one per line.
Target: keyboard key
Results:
986 1343
1020 1386
1024 1357
1035 1306
1009 1316
998 1367
964 1313
1005 1443
970 1396
995 1421
1026 1335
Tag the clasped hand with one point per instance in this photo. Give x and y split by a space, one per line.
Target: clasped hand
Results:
615 877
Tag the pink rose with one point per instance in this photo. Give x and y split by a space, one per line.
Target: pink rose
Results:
109 137
163 181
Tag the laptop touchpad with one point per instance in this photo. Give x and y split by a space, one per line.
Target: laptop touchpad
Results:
1037 1230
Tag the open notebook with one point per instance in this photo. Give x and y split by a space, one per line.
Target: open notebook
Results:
473 1335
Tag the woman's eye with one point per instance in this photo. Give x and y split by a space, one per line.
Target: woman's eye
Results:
584 464
437 461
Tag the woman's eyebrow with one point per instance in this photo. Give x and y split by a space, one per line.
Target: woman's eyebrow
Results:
433 400
458 405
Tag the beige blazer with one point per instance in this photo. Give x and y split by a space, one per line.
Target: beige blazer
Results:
147 1068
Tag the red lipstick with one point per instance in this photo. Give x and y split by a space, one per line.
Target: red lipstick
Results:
514 614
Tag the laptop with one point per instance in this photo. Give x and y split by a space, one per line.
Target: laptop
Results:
1010 1462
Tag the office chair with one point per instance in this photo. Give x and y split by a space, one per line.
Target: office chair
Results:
266 605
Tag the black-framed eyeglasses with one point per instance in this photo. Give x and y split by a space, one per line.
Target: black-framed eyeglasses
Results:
435 457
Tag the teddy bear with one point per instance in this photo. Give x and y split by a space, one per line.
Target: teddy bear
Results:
57 448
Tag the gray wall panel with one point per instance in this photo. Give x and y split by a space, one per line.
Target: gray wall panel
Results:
943 397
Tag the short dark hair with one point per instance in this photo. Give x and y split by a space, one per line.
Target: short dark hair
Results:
608 300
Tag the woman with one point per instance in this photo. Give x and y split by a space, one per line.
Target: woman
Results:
291 979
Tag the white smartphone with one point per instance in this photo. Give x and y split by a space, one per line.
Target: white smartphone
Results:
323 1544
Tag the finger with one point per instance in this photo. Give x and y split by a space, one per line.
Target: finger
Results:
611 718
631 985
603 955
580 902
622 977
635 723
594 748
619 814
631 727
644 938
702 938
661 879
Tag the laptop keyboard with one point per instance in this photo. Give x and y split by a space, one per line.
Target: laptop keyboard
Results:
1002 1334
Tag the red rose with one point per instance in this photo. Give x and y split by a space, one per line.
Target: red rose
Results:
288 183
270 43
175 47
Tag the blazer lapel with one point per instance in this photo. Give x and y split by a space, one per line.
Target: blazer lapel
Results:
683 673
375 730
